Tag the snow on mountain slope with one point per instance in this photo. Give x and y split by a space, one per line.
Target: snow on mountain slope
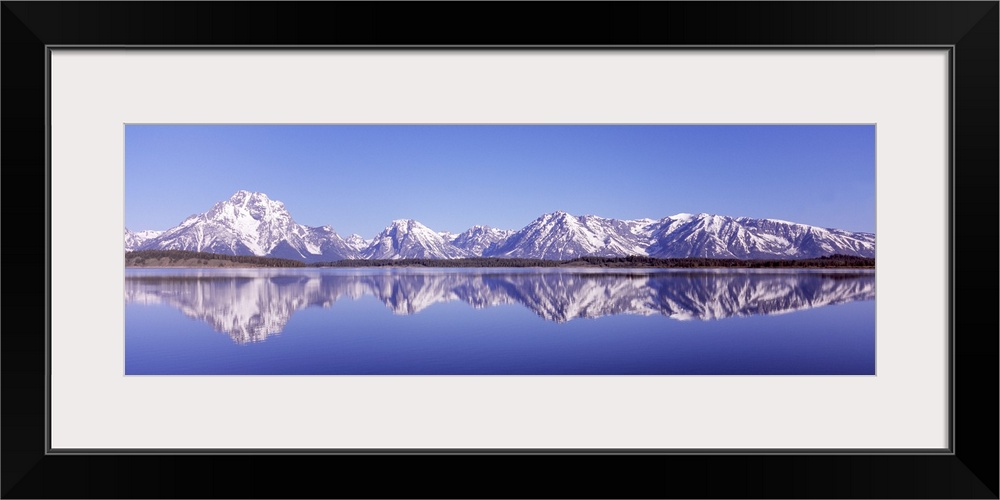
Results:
718 236
559 235
356 242
477 239
409 239
136 239
252 224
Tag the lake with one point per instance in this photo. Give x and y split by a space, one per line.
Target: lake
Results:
504 321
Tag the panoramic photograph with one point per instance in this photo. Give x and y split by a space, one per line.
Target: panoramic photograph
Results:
499 249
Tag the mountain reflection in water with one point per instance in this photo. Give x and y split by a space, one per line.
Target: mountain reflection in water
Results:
249 305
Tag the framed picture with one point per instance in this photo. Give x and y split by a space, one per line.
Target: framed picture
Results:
543 291
867 128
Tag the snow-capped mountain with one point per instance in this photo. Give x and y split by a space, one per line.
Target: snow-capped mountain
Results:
252 224
477 239
136 239
718 236
358 243
563 236
409 239
559 235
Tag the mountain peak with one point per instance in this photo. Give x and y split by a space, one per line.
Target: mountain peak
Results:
403 223
243 194
780 221
407 238
557 215
245 198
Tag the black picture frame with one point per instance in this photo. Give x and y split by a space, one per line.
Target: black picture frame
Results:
969 28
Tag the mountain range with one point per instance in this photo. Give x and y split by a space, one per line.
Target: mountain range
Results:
250 223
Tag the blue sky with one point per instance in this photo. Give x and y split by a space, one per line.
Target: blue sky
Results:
358 178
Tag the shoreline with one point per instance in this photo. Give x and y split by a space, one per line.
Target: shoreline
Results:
182 259
852 268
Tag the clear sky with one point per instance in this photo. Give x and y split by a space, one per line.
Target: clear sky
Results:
358 178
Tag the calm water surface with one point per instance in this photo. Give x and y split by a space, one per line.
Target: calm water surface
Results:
499 321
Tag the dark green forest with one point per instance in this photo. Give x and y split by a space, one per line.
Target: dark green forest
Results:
614 262
183 258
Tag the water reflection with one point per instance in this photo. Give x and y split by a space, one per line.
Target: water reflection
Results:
249 305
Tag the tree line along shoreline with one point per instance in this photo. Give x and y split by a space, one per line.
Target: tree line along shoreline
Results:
185 258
